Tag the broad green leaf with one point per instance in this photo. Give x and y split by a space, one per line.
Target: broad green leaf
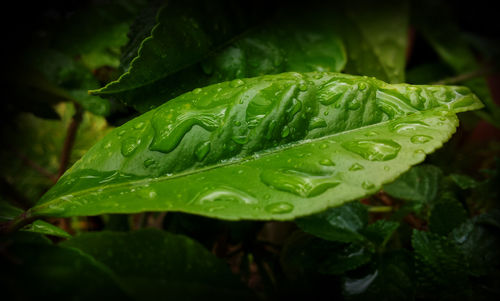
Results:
300 43
42 227
151 263
343 223
270 147
34 269
375 34
390 278
421 184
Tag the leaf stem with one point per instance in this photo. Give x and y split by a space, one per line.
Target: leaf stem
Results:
464 76
70 138
30 163
380 209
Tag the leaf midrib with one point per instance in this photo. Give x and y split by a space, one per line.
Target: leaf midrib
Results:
255 156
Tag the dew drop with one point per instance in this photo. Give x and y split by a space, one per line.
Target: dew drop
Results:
356 166
362 86
129 146
237 123
121 133
148 162
420 139
197 91
298 182
368 185
139 125
371 134
240 139
387 168
374 150
303 87
236 83
317 122
323 146
403 127
279 208
202 150
226 194
285 132
327 162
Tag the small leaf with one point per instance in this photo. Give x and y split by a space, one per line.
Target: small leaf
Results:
42 227
343 223
440 263
389 278
252 148
345 259
463 181
151 263
445 216
8 212
380 231
421 183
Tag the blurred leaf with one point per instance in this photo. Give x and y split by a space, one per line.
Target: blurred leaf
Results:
345 258
445 216
464 181
151 263
342 223
389 278
375 34
421 183
43 227
7 211
380 231
428 73
440 263
33 269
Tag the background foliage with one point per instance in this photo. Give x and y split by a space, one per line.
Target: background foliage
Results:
431 234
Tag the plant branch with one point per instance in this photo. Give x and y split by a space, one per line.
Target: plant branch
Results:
70 139
30 163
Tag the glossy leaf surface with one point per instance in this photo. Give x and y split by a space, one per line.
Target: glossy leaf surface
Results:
42 227
270 147
150 263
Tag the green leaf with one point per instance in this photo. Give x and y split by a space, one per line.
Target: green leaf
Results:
345 259
421 184
300 43
8 212
464 181
42 227
380 231
375 34
389 278
32 270
440 263
271 147
479 243
445 216
343 223
151 263
182 36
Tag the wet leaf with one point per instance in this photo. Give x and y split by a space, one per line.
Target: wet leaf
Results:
42 227
271 147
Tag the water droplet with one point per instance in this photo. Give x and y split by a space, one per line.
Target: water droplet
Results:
408 126
371 134
108 145
420 139
317 122
279 208
121 133
387 168
226 194
237 83
362 86
374 150
326 113
327 162
197 91
285 132
139 125
303 87
148 193
368 185
298 182
294 108
323 146
356 166
148 162
237 123
129 146
202 150
240 139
